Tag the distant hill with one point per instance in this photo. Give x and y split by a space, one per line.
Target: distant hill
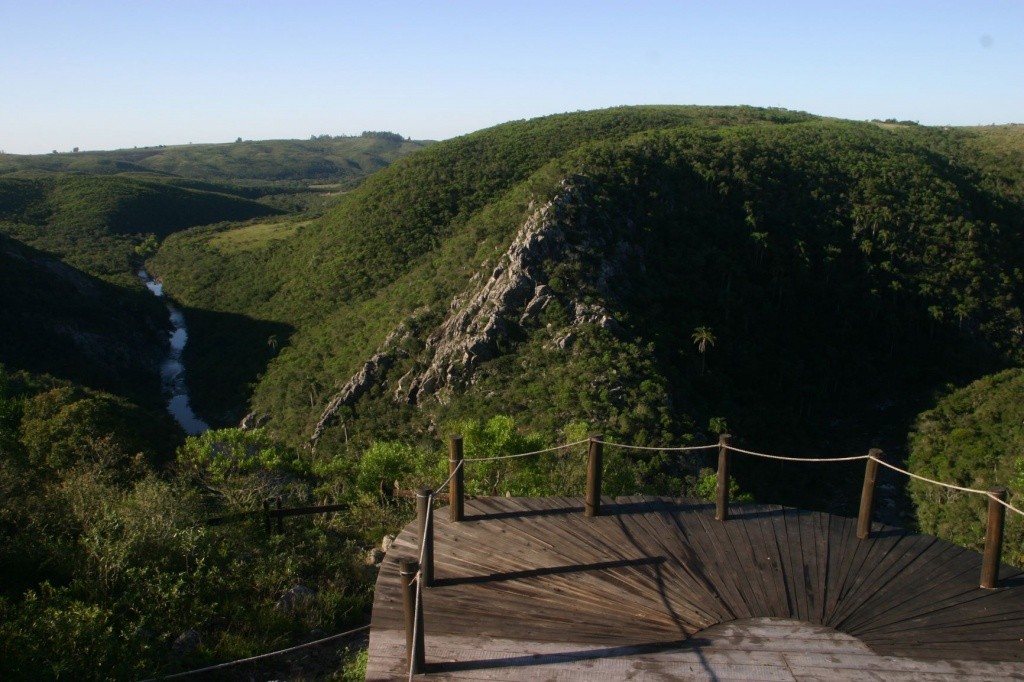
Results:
97 222
345 160
559 269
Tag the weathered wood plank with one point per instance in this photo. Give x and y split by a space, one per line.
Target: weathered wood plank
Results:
654 588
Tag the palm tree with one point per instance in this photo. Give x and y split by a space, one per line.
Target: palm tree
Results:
702 338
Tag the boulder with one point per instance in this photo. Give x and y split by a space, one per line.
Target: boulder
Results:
300 595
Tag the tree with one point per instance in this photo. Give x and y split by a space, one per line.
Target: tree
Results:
702 338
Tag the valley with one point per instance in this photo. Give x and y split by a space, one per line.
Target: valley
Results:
658 274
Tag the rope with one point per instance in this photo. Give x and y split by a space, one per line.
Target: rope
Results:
986 493
448 480
684 448
895 468
416 622
527 454
852 458
220 666
419 582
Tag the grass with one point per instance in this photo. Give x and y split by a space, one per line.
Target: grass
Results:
254 237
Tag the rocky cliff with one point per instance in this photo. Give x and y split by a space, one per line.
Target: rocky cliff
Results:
484 317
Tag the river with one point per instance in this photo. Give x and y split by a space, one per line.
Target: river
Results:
172 371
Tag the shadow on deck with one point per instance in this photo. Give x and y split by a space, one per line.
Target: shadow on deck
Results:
529 588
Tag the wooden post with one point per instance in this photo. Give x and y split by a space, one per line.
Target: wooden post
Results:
592 502
266 515
280 516
993 539
867 494
457 486
722 485
426 531
414 655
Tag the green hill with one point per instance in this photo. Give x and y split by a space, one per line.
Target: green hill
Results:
97 223
661 274
557 270
344 160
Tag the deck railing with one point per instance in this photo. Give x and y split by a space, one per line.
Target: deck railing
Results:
416 575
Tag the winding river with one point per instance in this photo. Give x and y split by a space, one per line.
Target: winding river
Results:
172 371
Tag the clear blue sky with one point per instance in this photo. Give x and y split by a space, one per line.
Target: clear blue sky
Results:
104 74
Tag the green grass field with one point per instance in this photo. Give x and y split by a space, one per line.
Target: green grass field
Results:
253 237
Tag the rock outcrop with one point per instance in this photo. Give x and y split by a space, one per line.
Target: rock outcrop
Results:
371 373
481 320
516 292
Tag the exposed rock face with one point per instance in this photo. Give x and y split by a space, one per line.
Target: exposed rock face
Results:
253 421
480 320
516 292
372 372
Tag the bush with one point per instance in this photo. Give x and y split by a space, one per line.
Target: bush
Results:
973 438
386 464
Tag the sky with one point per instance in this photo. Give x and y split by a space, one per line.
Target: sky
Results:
109 74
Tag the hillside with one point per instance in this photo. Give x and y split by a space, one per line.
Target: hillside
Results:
341 160
60 321
99 223
558 270
660 274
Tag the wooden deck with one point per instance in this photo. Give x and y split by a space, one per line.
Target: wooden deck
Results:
530 589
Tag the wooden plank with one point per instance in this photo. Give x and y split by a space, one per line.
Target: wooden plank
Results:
913 594
522 578
767 544
871 556
745 546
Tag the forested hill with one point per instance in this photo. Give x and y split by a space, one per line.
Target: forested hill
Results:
658 274
324 158
561 270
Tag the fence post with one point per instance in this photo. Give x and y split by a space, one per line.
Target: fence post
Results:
411 597
993 539
592 502
425 524
867 494
457 486
280 516
722 485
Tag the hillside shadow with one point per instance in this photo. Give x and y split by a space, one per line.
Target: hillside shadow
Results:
226 353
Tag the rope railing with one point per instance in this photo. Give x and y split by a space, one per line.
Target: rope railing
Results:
852 458
651 448
421 571
250 659
528 454
987 493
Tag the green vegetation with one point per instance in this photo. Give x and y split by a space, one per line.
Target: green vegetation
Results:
340 159
888 252
973 438
100 224
107 557
669 273
255 236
